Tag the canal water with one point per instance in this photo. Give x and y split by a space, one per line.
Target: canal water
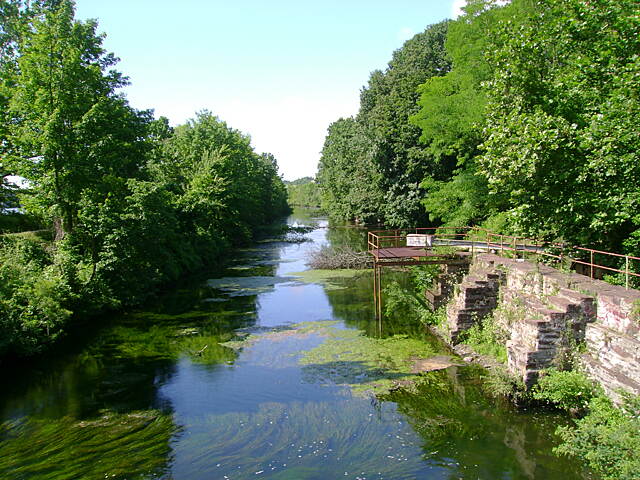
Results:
219 380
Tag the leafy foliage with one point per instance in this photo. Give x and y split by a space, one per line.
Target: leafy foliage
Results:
347 176
303 192
563 109
527 112
372 165
67 127
32 295
608 438
487 338
570 390
408 301
133 202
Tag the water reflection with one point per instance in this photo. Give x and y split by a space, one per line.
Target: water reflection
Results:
156 395
477 437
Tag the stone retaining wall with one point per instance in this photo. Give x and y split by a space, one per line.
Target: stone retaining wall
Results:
546 313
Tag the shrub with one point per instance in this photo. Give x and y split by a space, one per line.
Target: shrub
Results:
499 382
568 390
424 275
487 338
608 438
337 258
32 296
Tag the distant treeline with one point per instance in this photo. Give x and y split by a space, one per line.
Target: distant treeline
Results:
124 201
303 192
521 116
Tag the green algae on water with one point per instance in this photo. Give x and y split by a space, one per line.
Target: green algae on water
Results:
243 286
370 365
298 330
347 357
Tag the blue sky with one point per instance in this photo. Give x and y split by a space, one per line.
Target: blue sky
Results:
279 70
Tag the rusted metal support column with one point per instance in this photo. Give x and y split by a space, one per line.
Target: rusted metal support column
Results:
591 264
375 288
380 294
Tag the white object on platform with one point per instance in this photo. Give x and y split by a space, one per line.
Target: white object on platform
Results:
419 240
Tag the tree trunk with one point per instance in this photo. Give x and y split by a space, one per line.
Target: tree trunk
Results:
58 229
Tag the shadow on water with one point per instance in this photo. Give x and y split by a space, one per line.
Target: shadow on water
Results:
475 436
208 381
94 410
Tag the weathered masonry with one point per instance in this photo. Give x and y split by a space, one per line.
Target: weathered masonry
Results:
549 316
547 313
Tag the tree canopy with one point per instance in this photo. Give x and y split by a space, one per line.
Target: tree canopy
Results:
372 165
527 114
132 202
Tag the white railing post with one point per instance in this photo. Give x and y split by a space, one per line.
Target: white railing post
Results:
626 270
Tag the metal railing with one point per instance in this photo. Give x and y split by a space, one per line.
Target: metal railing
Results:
397 237
593 263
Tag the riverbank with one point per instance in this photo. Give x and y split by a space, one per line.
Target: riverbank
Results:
44 298
294 398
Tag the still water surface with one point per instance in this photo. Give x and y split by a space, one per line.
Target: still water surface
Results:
155 395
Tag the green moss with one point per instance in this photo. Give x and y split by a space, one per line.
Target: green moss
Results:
635 311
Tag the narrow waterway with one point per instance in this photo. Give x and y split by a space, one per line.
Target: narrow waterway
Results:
216 381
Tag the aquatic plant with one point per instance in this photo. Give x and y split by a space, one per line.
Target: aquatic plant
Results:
367 365
312 440
129 446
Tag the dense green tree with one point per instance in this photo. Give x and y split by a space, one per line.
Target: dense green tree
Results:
135 202
564 104
386 105
372 166
68 126
10 18
303 192
300 181
127 243
7 191
347 176
216 164
453 112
